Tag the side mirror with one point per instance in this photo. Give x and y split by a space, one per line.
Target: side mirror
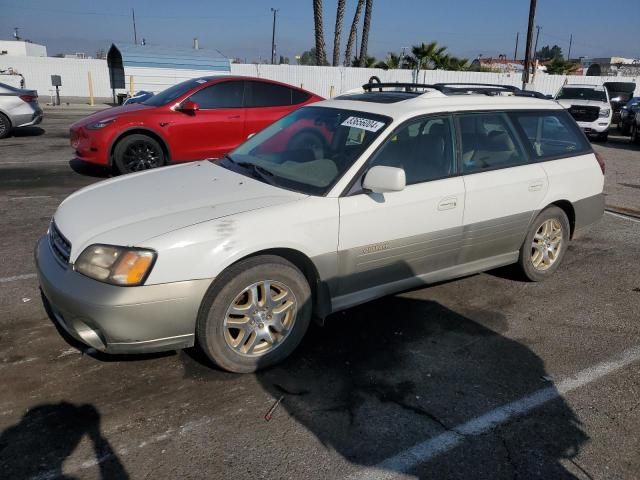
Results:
188 106
381 179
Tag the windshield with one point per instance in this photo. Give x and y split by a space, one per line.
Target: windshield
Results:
581 94
309 149
171 93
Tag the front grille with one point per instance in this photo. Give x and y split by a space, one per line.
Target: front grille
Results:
584 113
60 246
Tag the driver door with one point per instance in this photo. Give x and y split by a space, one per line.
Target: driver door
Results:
388 240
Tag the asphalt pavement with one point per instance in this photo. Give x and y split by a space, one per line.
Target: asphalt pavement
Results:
487 377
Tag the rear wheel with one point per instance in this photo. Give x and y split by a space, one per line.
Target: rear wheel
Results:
5 126
545 244
255 314
602 137
138 152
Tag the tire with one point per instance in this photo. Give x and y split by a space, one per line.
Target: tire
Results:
635 134
5 126
246 349
603 137
530 255
136 153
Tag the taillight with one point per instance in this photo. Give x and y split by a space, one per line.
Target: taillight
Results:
28 98
600 161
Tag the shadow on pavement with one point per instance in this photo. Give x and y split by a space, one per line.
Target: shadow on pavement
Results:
48 434
27 132
89 170
620 143
388 375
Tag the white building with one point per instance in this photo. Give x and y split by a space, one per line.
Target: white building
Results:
20 48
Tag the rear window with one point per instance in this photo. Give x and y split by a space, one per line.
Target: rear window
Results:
581 94
551 134
263 94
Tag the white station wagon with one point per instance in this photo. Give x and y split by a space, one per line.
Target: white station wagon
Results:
374 192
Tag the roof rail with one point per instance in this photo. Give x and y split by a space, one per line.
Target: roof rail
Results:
479 86
408 87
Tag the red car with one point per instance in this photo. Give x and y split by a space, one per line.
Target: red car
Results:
193 120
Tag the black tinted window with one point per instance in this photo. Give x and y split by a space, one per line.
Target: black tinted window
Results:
172 93
424 148
220 95
269 95
488 142
551 134
298 96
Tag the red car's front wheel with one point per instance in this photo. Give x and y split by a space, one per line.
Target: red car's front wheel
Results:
138 152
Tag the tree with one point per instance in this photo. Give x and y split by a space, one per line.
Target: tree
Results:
560 66
352 33
309 57
338 32
427 55
321 55
283 60
549 53
367 62
391 62
365 32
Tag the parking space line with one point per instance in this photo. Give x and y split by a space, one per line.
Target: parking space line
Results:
625 217
406 460
29 197
16 278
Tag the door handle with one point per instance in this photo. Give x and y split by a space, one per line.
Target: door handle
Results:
233 117
535 186
250 135
448 203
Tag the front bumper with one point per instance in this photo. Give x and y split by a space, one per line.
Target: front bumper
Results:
89 146
112 319
597 126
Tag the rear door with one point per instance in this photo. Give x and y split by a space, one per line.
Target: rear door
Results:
504 190
267 102
216 128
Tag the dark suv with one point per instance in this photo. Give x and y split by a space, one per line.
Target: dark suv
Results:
627 115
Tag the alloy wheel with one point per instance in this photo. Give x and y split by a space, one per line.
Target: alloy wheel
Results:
141 155
547 244
260 318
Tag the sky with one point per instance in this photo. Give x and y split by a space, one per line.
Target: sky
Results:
242 28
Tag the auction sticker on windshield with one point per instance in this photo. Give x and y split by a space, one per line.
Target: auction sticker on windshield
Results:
364 123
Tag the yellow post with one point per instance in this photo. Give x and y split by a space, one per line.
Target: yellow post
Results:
332 91
131 85
90 88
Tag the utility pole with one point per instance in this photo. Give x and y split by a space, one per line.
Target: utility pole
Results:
527 52
135 35
273 37
570 42
535 47
515 54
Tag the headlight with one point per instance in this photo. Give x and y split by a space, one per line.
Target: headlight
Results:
100 124
604 112
116 265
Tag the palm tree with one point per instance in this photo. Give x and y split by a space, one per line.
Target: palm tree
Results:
338 32
391 62
427 54
352 34
321 56
365 32
367 62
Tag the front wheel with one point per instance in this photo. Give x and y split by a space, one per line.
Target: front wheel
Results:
138 152
545 244
635 134
255 314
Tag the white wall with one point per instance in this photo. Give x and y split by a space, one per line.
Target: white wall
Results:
38 71
18 48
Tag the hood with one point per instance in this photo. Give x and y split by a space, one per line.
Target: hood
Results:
131 209
110 113
566 103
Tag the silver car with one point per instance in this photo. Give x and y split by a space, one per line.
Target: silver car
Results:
18 108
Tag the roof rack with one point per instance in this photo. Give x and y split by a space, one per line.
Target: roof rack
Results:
408 87
453 88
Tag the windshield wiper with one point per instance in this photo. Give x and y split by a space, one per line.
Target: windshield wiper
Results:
258 172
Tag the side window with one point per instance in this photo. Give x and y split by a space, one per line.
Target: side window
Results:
220 95
488 142
424 148
268 95
551 134
298 96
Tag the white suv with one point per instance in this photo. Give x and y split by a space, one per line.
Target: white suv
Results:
589 105
336 204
